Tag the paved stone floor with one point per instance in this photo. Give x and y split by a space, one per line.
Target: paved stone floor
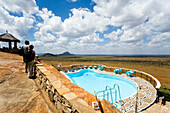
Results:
146 97
146 94
18 94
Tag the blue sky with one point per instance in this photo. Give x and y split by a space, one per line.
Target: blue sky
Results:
89 26
62 7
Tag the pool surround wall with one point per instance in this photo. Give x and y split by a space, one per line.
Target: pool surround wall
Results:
148 97
138 73
63 99
66 100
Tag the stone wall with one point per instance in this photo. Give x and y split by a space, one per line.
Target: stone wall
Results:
63 99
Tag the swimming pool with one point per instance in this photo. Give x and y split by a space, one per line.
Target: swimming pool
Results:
91 80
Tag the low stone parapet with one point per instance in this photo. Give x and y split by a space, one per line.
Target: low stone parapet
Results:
63 99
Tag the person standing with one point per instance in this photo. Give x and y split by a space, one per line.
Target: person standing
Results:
30 60
25 54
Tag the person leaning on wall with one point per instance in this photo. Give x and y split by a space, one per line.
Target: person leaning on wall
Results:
30 60
25 54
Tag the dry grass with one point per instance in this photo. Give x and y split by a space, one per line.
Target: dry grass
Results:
159 67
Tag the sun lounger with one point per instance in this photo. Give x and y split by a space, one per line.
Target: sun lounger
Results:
70 70
117 71
95 67
75 68
81 67
90 67
64 70
101 68
85 67
130 73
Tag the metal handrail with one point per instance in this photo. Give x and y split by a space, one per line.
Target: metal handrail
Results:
119 93
109 89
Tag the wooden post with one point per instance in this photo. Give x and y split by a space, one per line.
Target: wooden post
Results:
10 45
136 104
15 45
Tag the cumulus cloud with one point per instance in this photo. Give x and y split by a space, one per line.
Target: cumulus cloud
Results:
94 38
72 0
49 28
60 44
143 25
50 21
132 16
20 6
122 12
80 28
23 21
114 35
159 39
83 23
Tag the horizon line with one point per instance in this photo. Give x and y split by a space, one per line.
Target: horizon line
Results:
110 54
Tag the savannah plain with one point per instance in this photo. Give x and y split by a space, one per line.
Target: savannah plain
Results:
157 66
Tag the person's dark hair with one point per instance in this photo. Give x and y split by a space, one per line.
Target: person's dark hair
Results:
31 47
27 42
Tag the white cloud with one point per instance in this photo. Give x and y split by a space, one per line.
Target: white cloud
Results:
72 0
49 28
20 6
79 28
109 8
114 35
83 23
132 15
57 46
20 24
85 48
44 37
144 26
160 40
50 21
94 38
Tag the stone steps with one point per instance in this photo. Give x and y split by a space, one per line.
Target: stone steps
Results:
109 107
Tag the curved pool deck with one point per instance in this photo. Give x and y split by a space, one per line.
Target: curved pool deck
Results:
146 93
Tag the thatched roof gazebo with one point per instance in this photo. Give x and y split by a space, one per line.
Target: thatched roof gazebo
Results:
7 37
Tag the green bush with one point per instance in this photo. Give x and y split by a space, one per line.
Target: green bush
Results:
58 68
166 93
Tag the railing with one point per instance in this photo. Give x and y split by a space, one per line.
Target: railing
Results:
138 73
110 93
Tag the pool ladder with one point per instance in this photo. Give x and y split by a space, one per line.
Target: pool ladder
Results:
110 94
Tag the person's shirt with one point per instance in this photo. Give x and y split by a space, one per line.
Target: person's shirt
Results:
32 55
25 48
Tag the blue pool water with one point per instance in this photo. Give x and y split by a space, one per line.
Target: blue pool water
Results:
90 81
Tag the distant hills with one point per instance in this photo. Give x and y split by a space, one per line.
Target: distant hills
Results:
115 55
63 54
48 54
66 54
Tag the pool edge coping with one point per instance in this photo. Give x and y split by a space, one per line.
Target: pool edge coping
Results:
96 70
